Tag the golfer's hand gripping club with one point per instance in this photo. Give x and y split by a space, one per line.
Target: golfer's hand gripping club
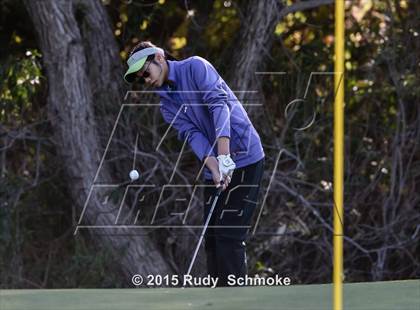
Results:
226 168
220 188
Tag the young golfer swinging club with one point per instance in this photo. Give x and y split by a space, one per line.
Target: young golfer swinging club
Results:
202 108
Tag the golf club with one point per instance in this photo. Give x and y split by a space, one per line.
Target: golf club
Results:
203 232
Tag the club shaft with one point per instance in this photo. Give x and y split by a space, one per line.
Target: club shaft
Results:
203 232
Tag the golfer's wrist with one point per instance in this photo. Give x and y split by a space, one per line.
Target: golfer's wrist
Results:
223 146
212 163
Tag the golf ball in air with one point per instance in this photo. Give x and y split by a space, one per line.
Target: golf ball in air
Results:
134 175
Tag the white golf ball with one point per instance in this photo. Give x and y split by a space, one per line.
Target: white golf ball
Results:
134 175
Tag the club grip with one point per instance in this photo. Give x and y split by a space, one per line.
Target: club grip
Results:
219 190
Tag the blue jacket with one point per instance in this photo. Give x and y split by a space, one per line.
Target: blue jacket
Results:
202 107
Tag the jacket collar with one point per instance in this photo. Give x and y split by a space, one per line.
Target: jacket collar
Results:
172 70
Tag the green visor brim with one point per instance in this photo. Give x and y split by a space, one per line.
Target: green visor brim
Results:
129 76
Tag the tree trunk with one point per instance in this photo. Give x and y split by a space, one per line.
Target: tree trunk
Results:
254 42
82 66
256 38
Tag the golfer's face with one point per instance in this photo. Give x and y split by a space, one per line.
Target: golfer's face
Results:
151 74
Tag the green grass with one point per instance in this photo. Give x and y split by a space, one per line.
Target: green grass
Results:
392 295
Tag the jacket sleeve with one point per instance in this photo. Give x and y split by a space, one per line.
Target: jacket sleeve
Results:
187 130
210 83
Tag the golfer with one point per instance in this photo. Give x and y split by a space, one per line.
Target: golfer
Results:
199 104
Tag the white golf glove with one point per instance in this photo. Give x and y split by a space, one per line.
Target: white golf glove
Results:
226 166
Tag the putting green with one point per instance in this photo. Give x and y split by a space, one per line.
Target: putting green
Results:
392 295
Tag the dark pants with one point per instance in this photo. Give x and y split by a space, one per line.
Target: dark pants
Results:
224 244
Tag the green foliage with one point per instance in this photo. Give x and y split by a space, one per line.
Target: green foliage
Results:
20 80
136 21
222 25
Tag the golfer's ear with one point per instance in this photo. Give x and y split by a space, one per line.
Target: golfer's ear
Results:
160 57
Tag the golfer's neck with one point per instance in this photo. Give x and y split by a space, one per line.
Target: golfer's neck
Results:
166 71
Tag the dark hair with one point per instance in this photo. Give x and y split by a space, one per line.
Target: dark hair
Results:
146 44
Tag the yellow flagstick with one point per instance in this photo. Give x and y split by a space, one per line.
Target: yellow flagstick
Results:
338 154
